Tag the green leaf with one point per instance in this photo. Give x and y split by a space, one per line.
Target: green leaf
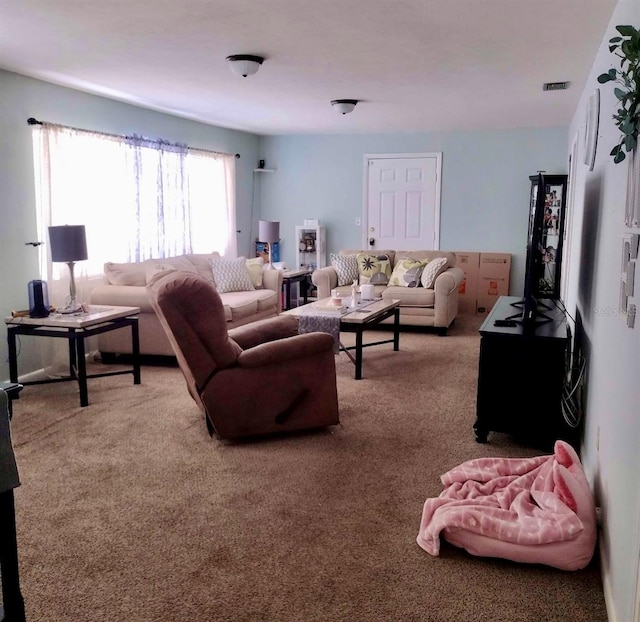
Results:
605 77
615 40
620 94
630 143
619 157
615 150
628 127
626 31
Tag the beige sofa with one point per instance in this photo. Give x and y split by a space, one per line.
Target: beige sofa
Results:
434 307
125 285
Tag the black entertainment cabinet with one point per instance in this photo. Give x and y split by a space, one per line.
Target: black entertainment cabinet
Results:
521 377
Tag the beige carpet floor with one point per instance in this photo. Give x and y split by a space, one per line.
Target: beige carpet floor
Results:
128 510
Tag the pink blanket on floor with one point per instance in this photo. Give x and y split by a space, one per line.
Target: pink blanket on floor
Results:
537 510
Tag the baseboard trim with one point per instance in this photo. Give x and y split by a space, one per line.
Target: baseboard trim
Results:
606 579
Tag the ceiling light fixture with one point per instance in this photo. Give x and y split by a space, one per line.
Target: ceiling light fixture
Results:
344 106
244 64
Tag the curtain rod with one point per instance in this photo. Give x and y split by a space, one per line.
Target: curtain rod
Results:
33 121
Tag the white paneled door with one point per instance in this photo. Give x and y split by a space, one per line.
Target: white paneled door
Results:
402 202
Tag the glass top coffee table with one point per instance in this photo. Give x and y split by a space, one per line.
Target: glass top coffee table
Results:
357 320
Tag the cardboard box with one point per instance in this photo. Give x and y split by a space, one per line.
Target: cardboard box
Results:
469 263
493 280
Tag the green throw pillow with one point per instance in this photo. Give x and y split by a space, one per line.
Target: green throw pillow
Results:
374 269
407 272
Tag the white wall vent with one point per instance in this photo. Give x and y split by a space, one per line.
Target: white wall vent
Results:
555 86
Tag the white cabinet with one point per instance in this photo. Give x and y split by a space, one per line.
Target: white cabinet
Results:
311 252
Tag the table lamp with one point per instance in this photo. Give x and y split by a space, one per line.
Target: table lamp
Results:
269 232
68 245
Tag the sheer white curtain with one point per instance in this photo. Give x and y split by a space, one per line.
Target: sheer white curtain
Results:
212 183
161 224
138 199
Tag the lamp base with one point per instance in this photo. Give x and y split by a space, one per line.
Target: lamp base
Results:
69 310
71 306
270 266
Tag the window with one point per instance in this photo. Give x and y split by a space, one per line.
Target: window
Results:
138 198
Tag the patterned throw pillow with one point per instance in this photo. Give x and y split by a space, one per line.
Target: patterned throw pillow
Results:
231 275
407 272
374 269
432 270
346 267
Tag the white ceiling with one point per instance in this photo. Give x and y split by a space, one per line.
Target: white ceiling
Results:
416 65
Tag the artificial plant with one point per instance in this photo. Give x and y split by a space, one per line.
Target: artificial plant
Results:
627 117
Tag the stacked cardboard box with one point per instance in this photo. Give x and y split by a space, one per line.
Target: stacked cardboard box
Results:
486 278
468 290
493 279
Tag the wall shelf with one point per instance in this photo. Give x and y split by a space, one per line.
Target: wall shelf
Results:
264 170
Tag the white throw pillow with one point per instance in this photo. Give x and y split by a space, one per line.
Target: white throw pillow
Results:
432 270
346 267
255 266
153 266
231 275
125 273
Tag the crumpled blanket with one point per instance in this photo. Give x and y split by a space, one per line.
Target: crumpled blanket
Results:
537 510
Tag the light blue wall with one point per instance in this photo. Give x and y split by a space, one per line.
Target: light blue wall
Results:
485 185
22 97
612 350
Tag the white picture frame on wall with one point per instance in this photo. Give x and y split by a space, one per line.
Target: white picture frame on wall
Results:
592 123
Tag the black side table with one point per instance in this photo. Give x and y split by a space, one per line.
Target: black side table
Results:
294 276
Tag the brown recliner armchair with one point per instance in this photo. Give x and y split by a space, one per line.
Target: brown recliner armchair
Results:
256 379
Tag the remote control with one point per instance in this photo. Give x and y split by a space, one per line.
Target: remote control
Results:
508 323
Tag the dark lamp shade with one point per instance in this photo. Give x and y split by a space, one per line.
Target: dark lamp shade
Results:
268 231
68 243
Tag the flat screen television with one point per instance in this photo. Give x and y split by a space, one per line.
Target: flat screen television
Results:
532 308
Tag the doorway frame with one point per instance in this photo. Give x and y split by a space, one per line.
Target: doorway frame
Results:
368 157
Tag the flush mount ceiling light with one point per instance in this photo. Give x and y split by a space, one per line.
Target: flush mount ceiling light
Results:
344 106
244 64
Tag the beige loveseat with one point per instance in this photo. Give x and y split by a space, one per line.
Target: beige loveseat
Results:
125 285
435 306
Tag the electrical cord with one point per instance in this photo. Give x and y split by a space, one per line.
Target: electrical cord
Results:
572 394
575 365
18 349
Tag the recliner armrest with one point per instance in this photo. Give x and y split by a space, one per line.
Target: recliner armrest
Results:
277 352
262 331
